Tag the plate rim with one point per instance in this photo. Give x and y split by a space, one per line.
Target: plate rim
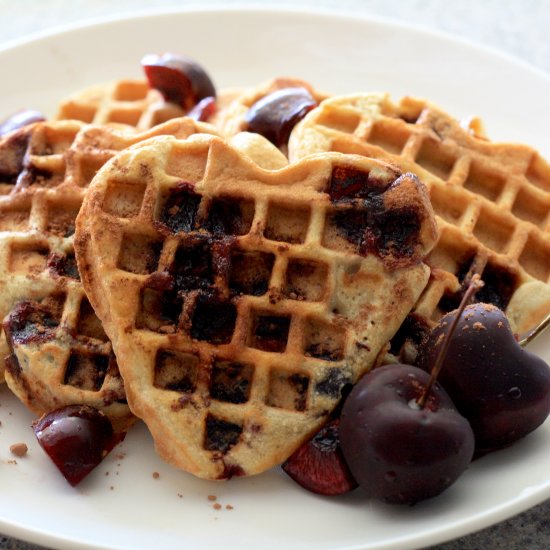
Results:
322 11
459 528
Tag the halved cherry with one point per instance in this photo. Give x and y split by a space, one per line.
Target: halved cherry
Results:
77 438
178 78
19 120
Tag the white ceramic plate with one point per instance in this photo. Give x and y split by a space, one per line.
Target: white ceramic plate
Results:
121 505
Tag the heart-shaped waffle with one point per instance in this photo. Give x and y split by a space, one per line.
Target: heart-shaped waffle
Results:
492 200
60 355
242 301
129 102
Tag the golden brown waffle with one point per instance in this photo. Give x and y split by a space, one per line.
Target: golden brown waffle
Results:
234 106
492 200
127 102
61 356
241 301
46 169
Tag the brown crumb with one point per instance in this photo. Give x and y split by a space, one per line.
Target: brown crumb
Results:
479 326
217 506
112 487
228 507
180 495
107 473
12 461
19 449
212 498
156 475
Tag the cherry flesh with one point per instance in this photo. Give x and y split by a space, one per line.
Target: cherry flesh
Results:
502 389
19 120
275 115
76 438
178 78
398 451
319 466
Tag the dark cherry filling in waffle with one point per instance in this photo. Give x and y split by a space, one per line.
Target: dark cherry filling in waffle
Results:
333 383
361 217
192 266
86 370
176 371
213 321
64 266
393 233
250 272
230 381
180 208
270 333
347 184
221 435
499 285
33 322
229 217
88 364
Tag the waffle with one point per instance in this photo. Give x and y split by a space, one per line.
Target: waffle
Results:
231 117
123 102
55 339
492 201
241 302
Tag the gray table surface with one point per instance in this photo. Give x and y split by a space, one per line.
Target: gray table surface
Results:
516 27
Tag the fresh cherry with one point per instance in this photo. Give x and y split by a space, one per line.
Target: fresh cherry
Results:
203 110
502 389
275 115
318 465
179 79
399 451
19 120
76 438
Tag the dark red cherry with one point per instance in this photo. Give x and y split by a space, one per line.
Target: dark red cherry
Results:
398 451
76 438
19 120
502 389
319 466
178 78
203 110
275 115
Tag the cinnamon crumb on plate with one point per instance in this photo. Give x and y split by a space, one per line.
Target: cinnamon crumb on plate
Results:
19 449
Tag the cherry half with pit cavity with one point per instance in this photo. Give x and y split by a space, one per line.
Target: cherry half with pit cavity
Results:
76 438
179 79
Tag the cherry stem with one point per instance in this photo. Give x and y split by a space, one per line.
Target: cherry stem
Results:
475 284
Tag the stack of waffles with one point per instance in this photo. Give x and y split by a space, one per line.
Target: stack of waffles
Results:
58 352
229 293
